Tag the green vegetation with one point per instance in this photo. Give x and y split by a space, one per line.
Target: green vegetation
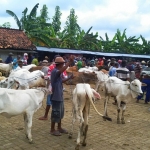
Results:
42 32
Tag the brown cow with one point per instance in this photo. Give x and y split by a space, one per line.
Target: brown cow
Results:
82 77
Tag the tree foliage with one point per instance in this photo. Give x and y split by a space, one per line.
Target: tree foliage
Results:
43 33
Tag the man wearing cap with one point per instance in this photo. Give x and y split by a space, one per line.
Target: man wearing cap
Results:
9 59
57 94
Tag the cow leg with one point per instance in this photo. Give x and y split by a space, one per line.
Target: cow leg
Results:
118 112
29 125
86 114
81 121
72 125
25 124
97 86
105 106
123 111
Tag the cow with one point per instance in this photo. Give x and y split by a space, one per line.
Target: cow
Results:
16 73
4 83
83 96
2 78
73 68
82 77
102 77
123 91
26 102
6 68
33 79
92 68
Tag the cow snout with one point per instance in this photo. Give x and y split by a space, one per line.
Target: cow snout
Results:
42 77
141 93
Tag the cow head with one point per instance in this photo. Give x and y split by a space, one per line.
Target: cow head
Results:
135 87
102 77
90 77
3 83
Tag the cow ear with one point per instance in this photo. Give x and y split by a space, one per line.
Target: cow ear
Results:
143 84
96 94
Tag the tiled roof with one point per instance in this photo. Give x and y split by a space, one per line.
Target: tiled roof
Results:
15 39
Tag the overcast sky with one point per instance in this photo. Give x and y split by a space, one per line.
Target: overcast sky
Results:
106 16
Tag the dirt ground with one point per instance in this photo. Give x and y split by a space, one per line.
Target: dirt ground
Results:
102 135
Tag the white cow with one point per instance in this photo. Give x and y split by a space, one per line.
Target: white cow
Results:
26 102
83 96
86 70
123 91
6 68
16 73
102 78
4 83
92 68
23 79
33 79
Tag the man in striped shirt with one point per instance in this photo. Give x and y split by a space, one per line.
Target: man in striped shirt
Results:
122 72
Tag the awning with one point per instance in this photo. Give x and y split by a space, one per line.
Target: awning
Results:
72 51
19 51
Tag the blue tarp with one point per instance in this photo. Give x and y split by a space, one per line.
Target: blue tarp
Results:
71 51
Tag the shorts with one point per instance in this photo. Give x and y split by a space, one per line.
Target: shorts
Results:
48 102
57 111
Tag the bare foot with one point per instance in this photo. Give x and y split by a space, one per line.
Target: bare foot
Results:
43 118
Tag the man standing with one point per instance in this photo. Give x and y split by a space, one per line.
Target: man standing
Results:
57 94
9 59
122 72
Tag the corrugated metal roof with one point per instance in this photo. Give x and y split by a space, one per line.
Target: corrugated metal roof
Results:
71 51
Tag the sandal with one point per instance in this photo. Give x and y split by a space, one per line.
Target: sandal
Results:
63 131
43 118
55 133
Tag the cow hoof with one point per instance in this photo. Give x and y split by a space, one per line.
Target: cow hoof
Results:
123 122
70 136
118 121
27 136
83 144
77 147
104 119
31 142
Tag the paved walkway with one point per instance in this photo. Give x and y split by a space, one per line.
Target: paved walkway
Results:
102 135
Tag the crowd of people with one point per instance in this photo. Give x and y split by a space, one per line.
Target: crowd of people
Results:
55 74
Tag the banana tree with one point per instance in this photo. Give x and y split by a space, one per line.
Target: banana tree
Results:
33 26
145 46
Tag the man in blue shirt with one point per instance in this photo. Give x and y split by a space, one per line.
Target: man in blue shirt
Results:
57 94
112 71
9 59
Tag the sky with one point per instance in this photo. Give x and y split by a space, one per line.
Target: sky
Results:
105 16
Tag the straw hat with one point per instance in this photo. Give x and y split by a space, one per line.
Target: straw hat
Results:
59 60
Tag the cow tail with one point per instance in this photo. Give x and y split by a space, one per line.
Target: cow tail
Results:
90 95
